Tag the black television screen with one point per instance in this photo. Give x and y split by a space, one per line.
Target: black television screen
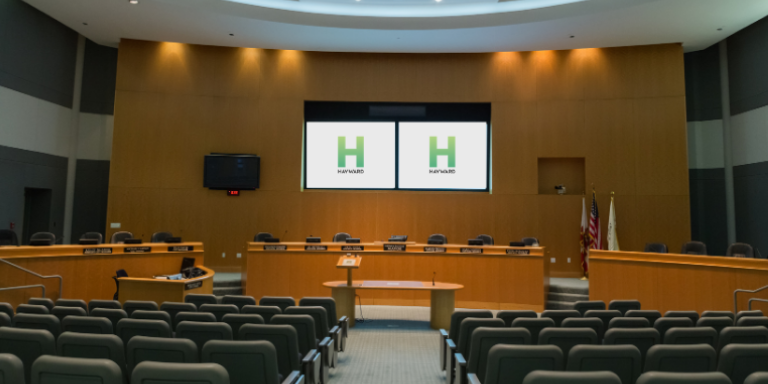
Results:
229 171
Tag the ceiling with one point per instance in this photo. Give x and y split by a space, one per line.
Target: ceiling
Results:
409 25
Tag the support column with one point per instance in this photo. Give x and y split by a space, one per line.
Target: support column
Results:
725 99
74 130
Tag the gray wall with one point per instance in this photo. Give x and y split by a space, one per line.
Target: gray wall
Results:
90 206
702 85
99 75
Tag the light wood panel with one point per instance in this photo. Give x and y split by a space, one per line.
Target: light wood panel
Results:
159 291
667 282
493 279
621 109
86 276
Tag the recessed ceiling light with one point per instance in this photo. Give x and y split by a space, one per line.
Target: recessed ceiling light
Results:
572 36
85 23
133 1
719 29
231 34
437 1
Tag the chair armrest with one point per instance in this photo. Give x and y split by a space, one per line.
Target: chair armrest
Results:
311 365
293 378
472 378
328 357
443 336
344 325
460 359
460 369
449 350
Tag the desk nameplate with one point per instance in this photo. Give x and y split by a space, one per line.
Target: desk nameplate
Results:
518 252
93 251
435 249
315 247
275 247
193 285
394 247
181 248
352 248
471 250
137 249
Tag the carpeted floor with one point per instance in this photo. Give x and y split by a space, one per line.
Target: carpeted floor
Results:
396 346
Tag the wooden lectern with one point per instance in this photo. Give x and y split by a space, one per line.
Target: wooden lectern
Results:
349 262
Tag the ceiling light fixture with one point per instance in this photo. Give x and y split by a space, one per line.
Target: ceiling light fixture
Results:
85 24
719 29
231 34
133 1
572 36
437 1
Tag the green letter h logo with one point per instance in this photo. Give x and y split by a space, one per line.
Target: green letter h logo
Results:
358 152
434 152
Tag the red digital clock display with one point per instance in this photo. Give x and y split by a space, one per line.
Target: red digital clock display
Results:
233 193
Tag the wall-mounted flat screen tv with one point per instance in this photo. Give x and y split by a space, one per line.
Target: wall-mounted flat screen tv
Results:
231 171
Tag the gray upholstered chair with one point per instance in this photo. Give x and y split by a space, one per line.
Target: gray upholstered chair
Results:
629 322
110 304
33 309
330 308
692 335
487 239
76 303
236 320
534 326
179 373
694 248
558 315
200 317
7 309
173 308
623 360
437 239
341 237
305 329
510 364
624 305
160 349
285 340
265 311
740 314
42 238
693 315
87 324
5 320
11 369
247 362
120 236
201 333
738 361
66 370
46 302
466 329
567 338
93 236
642 338
160 237
449 339
718 323
132 305
551 377
593 323
482 340
113 315
530 241
327 336
681 358
584 306
238 300
718 314
509 316
665 323
604 315
200 299
740 250
683 378
261 236
655 248
281 302
751 321
741 335
219 310
8 238
128 328
152 315
49 323
27 345
757 378
62 312
649 314
91 346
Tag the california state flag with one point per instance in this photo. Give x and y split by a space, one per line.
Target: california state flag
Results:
613 240
583 239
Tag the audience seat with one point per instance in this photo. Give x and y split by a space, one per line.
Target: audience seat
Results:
200 332
264 311
179 373
200 317
92 346
464 341
11 369
642 338
509 316
629 322
604 315
247 362
741 314
449 339
33 309
545 377
751 321
742 335
510 364
68 370
693 315
738 361
681 358
624 305
62 312
200 299
128 328
86 324
285 340
219 310
623 360
277 301
160 349
49 323
238 301
534 326
72 303
694 248
649 314
584 306
757 378
695 335
586 322
718 314
718 323
558 315
236 320
48 303
482 340
109 304
113 315
320 318
665 323
173 308
683 378
7 309
567 338
330 308
132 305
27 345
5 320
152 315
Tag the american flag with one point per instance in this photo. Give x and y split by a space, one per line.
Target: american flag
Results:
584 236
594 226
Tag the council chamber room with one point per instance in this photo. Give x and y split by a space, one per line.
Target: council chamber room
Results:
384 191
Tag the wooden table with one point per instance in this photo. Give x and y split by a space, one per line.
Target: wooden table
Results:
668 281
158 290
442 301
87 270
494 277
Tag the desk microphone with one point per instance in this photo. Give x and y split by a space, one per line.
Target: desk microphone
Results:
433 278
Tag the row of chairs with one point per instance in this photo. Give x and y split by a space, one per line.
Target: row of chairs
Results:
433 239
8 237
699 248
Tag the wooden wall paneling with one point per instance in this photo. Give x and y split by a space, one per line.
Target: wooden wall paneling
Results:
280 125
559 75
441 269
611 148
508 211
609 73
667 222
480 279
659 71
519 287
560 234
513 76
565 171
283 74
515 155
396 267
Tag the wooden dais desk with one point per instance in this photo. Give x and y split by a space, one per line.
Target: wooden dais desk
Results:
442 302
